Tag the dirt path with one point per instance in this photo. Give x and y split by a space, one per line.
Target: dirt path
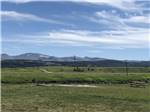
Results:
70 85
43 70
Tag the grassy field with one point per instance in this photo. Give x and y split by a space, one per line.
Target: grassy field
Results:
114 98
67 75
111 94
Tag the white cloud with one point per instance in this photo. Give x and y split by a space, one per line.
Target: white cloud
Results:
86 38
110 19
139 19
116 22
122 35
12 15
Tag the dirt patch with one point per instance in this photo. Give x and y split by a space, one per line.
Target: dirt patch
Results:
43 70
70 85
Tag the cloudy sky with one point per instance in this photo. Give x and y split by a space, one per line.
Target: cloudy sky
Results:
117 29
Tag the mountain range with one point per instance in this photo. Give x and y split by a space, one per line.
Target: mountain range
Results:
42 57
36 59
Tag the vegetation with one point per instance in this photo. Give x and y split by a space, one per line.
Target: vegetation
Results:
113 93
112 98
101 63
68 75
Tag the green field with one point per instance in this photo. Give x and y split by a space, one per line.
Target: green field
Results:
67 75
20 92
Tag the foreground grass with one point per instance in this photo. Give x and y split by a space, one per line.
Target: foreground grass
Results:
106 98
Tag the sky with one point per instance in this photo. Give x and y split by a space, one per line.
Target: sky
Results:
114 29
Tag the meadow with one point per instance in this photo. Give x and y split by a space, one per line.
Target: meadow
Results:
21 92
67 75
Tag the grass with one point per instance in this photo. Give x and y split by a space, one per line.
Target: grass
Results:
20 94
66 75
106 98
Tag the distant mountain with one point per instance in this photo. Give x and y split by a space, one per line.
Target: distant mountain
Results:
31 56
36 59
42 57
25 56
6 57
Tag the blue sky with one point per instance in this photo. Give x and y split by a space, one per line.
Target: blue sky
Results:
117 29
